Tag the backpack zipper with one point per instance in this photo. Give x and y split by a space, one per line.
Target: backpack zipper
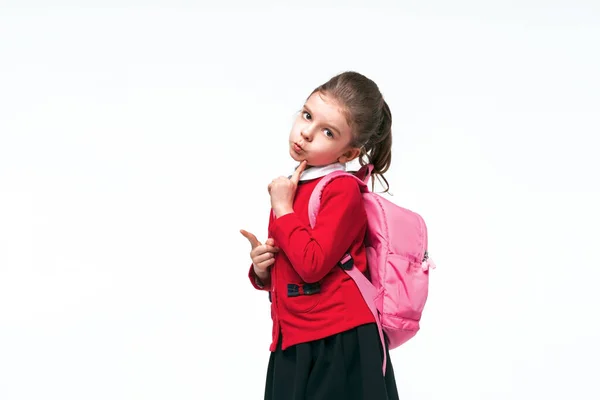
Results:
426 264
425 241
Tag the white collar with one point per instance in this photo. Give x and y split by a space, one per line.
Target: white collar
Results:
317 172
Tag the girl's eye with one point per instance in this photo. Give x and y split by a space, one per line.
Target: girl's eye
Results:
307 116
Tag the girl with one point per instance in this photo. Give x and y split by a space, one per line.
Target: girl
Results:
325 340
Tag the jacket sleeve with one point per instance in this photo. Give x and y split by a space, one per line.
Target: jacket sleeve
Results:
313 252
254 280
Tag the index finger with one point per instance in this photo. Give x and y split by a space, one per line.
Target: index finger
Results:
296 176
251 238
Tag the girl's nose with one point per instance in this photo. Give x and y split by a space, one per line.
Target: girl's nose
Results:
306 133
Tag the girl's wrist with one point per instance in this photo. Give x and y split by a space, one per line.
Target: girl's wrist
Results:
263 276
261 273
281 211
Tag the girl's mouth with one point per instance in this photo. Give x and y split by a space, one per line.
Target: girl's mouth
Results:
297 148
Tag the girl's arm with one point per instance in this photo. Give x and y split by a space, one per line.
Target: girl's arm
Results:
261 281
341 219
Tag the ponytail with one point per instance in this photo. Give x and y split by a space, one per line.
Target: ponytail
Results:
378 149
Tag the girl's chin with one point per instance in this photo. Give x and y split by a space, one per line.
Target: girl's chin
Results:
297 157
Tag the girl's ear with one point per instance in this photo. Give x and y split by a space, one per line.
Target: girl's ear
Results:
349 155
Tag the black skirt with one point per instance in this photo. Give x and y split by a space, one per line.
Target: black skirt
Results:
345 366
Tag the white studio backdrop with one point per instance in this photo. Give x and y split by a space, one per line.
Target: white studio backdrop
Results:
137 138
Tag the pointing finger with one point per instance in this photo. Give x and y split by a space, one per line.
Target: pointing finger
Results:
251 238
296 176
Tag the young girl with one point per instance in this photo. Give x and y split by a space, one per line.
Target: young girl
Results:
325 341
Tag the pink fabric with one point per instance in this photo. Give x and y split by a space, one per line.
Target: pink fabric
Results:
396 245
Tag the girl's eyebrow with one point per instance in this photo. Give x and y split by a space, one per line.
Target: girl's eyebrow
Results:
333 127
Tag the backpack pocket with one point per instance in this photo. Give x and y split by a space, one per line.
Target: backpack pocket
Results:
406 288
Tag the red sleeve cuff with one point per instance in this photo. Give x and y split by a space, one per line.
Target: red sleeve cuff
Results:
256 282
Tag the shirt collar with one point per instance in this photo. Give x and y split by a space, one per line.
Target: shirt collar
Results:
317 172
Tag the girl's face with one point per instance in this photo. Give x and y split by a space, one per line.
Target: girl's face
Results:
320 134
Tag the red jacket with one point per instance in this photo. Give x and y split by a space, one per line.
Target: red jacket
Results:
331 302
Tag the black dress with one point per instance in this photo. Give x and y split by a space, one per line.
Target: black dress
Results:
345 366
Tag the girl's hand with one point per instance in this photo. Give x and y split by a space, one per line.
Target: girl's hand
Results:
283 190
262 255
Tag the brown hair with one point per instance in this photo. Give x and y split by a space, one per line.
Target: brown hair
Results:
369 117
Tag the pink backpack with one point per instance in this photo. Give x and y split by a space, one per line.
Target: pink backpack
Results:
398 262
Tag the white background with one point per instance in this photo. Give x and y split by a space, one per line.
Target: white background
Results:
137 138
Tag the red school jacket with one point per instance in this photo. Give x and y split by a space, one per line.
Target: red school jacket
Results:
311 295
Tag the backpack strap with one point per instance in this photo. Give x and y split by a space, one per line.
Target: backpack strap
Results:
366 288
369 293
365 173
